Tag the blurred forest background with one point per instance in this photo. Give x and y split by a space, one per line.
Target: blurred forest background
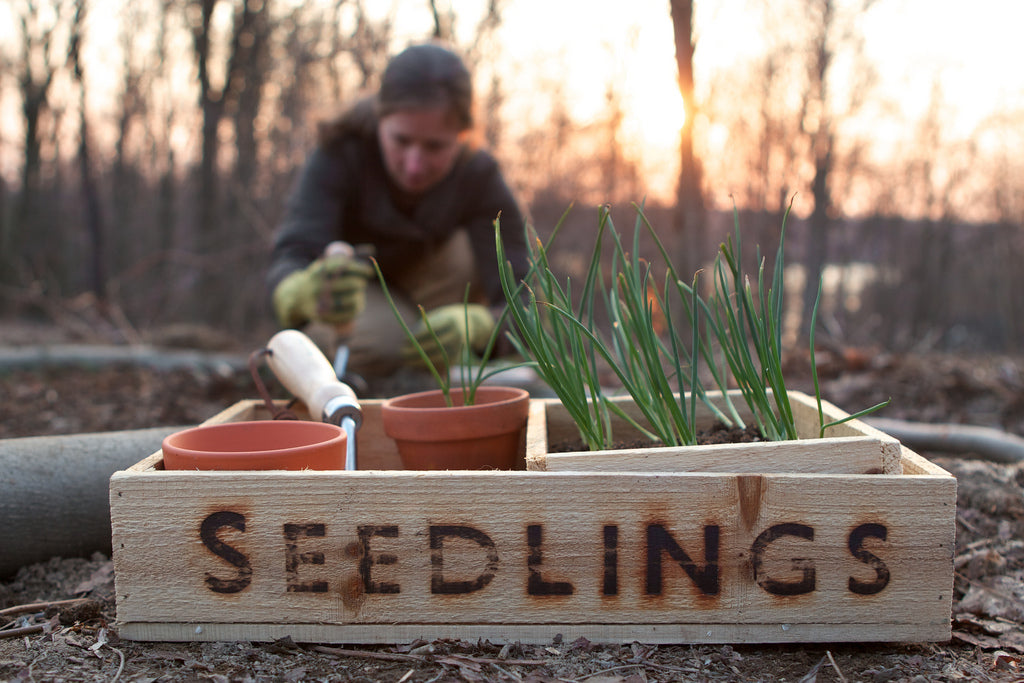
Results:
159 206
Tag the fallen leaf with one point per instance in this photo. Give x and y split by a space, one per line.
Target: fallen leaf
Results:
812 675
992 627
103 575
977 640
1006 661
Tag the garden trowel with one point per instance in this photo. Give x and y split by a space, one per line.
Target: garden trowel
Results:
304 371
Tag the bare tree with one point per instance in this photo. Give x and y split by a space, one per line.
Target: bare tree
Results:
1004 193
776 155
217 236
444 22
131 108
690 215
42 56
493 128
926 278
482 45
250 60
90 192
161 159
620 179
820 118
211 104
369 45
6 67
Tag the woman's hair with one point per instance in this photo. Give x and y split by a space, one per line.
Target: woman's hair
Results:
426 75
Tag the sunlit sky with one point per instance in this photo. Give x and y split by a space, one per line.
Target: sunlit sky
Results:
973 47
973 50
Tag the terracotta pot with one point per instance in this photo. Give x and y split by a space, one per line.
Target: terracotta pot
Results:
257 445
490 434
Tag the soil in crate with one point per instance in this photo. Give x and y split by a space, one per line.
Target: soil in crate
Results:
716 434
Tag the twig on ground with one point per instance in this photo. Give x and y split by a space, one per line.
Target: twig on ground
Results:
31 665
492 660
38 606
965 558
368 654
510 674
988 589
120 668
399 657
604 671
967 525
832 661
23 631
812 675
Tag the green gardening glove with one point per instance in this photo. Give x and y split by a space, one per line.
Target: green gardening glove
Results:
449 325
332 290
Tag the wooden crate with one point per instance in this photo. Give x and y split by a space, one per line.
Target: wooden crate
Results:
800 542
849 448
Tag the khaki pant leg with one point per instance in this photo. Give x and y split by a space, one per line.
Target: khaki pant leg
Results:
439 278
442 275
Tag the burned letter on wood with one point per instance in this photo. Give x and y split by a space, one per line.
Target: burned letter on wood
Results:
293 558
659 541
537 584
805 567
856 545
208 534
438 583
368 559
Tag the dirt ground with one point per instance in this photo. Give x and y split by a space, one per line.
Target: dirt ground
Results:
79 642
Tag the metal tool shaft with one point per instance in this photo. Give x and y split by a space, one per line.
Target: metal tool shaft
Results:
304 370
349 425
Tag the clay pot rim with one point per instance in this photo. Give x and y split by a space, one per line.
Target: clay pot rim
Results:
431 436
337 436
396 403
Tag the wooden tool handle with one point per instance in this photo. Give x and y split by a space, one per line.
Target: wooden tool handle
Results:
304 371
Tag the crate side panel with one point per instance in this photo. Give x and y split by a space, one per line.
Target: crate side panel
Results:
532 548
540 634
561 428
242 411
914 464
848 448
536 435
856 455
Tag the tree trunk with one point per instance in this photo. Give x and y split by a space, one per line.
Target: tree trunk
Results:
817 238
34 95
212 106
689 219
248 69
821 147
90 194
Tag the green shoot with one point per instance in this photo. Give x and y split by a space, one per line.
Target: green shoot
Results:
822 425
558 349
566 346
469 382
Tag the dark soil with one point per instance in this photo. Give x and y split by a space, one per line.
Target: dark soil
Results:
80 642
718 433
721 433
71 400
